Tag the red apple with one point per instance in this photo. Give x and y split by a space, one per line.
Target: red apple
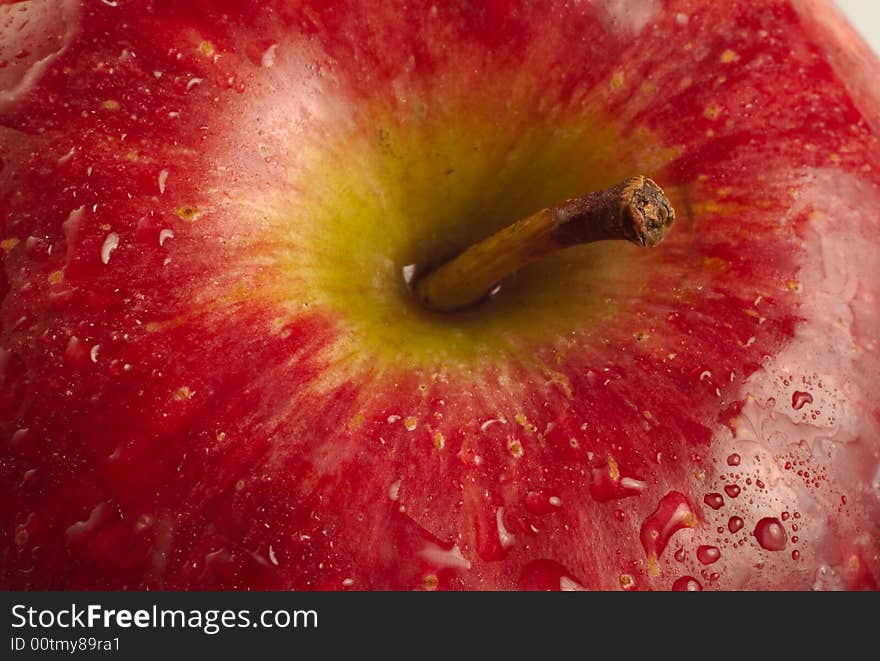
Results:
214 375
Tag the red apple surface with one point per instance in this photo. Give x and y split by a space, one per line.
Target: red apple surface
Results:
214 376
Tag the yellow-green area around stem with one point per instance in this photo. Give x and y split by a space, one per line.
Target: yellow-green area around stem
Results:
417 190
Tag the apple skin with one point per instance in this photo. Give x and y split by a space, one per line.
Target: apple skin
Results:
213 378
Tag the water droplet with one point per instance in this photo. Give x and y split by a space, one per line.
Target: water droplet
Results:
680 554
672 514
686 584
609 484
268 58
38 248
714 500
800 399
110 244
732 490
505 537
770 534
568 585
548 575
708 554
539 503
795 555
408 273
443 558
735 524
734 459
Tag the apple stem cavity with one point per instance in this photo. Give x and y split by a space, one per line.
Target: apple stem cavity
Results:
635 210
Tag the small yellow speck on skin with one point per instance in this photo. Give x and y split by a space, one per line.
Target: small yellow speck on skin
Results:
189 212
9 244
239 485
793 285
431 581
712 112
617 80
648 88
411 423
183 393
55 277
729 56
515 448
132 155
613 469
626 582
714 263
206 48
439 440
110 104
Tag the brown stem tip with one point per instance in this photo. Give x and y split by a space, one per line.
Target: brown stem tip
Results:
635 210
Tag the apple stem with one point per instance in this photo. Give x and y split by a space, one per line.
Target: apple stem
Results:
635 210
